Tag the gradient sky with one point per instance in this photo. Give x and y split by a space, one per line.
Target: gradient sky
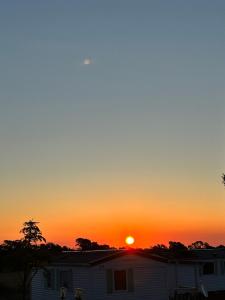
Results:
133 143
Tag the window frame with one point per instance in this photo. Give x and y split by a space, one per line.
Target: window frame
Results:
222 267
209 273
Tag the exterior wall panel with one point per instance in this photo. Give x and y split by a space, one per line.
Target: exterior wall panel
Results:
149 276
150 279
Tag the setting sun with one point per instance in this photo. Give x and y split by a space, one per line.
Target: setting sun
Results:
129 240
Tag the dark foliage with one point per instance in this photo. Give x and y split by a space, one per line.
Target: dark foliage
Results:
86 244
177 247
223 178
159 247
26 255
31 233
200 245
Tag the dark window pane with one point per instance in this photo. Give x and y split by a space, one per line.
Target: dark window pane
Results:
208 268
120 280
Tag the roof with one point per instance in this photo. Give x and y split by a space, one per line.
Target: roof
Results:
100 256
209 254
195 255
94 257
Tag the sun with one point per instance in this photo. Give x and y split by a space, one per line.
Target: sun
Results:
129 240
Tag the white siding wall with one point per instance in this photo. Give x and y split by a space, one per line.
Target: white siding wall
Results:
80 280
214 282
150 281
37 286
171 278
191 275
186 275
180 275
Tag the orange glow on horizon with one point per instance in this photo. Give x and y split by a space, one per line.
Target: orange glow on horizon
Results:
148 221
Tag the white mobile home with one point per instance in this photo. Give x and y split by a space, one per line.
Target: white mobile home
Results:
130 275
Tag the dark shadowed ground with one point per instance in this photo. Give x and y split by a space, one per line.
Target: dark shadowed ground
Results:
9 294
10 286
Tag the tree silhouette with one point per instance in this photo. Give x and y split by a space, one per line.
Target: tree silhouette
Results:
158 248
223 178
86 244
32 259
83 244
199 245
177 246
32 233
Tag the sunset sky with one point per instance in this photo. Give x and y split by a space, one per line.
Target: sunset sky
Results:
112 120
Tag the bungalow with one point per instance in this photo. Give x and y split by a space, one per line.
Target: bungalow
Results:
131 275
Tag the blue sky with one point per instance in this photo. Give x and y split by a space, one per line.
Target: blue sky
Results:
150 107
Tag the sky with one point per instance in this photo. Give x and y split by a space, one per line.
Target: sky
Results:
112 120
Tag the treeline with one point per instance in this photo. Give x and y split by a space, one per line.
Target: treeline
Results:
177 246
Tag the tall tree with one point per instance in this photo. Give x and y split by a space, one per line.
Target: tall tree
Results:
32 233
32 258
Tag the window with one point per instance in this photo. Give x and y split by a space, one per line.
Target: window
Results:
208 268
120 280
222 267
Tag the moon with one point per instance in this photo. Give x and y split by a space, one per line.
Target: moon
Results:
88 61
